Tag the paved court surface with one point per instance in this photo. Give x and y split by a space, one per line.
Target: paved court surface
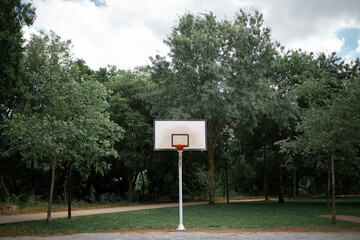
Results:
202 236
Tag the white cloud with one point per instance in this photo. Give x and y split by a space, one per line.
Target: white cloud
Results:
115 34
327 44
125 33
358 48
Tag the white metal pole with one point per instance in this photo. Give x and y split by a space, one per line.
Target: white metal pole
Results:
181 226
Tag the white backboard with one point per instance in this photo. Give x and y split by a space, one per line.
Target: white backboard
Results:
167 131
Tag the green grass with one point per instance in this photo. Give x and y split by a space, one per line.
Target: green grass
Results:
294 213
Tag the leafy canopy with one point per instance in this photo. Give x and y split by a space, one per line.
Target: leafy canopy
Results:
65 118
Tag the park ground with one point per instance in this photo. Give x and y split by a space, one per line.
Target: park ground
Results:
238 217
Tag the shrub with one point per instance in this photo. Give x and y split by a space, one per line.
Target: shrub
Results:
4 193
109 198
92 194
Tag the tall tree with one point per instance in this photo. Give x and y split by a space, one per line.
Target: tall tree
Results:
335 127
14 14
330 123
129 108
66 120
215 73
282 109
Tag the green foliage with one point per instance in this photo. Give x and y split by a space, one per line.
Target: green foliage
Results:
14 198
107 198
14 14
31 200
217 72
129 109
65 119
334 122
267 111
218 65
4 193
92 197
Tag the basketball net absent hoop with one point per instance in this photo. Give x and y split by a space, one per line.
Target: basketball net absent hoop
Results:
180 135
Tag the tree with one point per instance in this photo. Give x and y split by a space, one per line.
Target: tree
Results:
301 81
14 14
129 108
66 120
330 123
215 73
335 127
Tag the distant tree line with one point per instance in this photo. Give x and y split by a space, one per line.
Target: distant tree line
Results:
279 122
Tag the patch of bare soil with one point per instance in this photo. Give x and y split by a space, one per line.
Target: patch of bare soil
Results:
344 218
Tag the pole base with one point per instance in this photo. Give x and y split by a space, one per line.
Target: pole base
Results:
181 227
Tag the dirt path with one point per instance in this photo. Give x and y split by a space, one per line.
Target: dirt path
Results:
344 218
42 216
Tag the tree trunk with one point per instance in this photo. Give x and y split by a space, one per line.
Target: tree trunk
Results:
53 166
143 186
281 184
130 191
211 177
131 176
293 171
266 177
227 182
333 212
328 185
32 165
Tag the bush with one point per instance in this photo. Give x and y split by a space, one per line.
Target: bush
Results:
92 194
109 198
31 200
14 199
4 193
79 203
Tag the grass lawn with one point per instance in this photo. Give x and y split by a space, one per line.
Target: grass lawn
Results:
294 213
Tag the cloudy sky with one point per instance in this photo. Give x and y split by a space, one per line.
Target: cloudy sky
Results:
125 33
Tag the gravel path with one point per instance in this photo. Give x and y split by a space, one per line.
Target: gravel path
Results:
42 216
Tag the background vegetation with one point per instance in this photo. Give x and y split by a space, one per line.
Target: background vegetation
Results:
276 119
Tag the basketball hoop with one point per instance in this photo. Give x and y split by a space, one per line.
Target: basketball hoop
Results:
180 148
180 135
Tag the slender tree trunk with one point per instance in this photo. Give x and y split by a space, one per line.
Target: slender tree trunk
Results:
69 191
211 176
293 171
130 191
333 212
53 166
266 177
328 185
281 184
227 182
143 186
131 175
297 187
224 184
32 165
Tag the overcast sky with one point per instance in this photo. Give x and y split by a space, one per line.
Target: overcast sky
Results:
125 33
